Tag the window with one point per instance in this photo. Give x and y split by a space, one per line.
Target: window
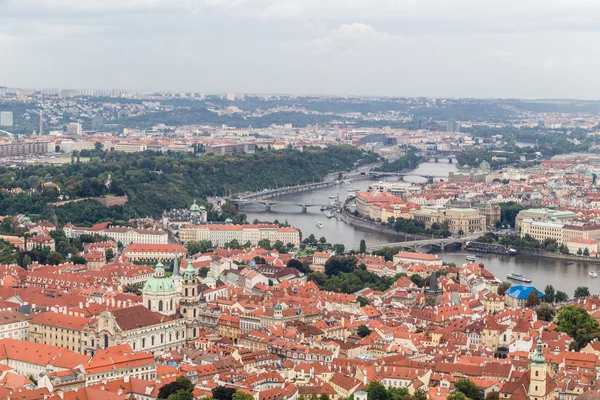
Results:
160 305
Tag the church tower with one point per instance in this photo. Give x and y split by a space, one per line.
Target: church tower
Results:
278 311
538 375
189 303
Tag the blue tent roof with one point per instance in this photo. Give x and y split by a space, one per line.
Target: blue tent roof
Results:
522 292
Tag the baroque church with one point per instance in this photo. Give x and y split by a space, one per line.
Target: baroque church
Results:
179 296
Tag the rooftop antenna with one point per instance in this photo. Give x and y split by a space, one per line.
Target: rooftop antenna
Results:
41 124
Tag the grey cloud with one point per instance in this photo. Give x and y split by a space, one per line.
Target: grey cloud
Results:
491 48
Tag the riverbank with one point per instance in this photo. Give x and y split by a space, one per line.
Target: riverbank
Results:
543 271
538 253
559 256
375 227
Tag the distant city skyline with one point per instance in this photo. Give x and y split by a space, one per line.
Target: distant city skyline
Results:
529 49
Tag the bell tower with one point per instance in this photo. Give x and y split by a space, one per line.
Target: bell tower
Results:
537 371
189 304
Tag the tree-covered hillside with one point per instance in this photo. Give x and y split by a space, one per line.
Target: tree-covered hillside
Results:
155 182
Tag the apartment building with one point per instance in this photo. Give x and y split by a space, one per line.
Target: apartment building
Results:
584 231
154 252
543 214
542 230
125 235
580 245
420 258
576 236
40 241
366 202
23 148
58 329
142 236
119 362
130 147
36 359
220 235
14 325
229 148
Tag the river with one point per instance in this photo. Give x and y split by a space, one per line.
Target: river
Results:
543 271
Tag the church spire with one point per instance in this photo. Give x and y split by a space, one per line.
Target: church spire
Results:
538 357
176 266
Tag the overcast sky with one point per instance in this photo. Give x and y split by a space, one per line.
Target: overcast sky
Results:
449 48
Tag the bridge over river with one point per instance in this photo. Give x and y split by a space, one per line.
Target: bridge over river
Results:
418 244
270 193
271 203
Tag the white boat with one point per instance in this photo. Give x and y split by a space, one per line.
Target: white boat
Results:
593 274
470 258
518 277
333 196
353 189
319 224
328 214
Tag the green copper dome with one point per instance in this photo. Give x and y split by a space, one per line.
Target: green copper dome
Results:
159 285
160 282
538 357
190 272
195 207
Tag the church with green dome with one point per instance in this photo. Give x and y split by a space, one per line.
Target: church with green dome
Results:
195 214
160 293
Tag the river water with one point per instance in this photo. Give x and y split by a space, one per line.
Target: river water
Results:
543 271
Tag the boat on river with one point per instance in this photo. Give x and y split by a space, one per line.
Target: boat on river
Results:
328 214
518 277
470 258
593 274
319 224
